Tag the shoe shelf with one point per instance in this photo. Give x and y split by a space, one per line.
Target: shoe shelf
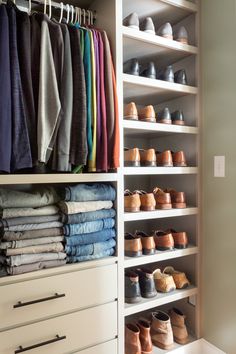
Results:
160 214
159 300
148 171
168 51
138 128
177 348
138 89
160 256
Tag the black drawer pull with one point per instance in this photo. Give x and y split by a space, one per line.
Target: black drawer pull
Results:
54 297
57 339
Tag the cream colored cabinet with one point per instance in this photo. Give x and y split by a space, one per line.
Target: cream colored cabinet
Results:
105 348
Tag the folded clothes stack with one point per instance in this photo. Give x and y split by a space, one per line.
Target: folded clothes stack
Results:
31 231
89 218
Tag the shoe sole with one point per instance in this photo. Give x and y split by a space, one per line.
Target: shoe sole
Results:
178 122
162 346
148 252
151 120
164 121
131 117
181 247
165 248
133 300
164 164
133 254
181 341
164 206
179 205
181 164
132 210
148 163
182 40
149 296
143 208
132 164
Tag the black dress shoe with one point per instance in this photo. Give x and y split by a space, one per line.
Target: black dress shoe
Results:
167 74
147 26
132 67
149 71
164 116
177 118
181 77
132 21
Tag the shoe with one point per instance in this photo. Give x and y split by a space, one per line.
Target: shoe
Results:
147 284
177 118
132 157
133 245
131 67
164 241
163 199
164 158
178 199
148 243
164 116
177 319
148 158
181 77
148 202
181 35
132 341
147 114
165 31
149 71
132 21
132 288
130 111
147 26
180 239
145 336
164 282
179 159
132 201
180 279
161 331
167 74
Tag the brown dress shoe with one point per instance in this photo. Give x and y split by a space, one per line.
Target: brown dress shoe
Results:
133 245
177 319
130 111
132 201
164 282
132 157
161 331
148 202
163 199
148 243
148 157
180 239
132 341
164 241
179 159
145 336
147 114
164 158
177 199
180 279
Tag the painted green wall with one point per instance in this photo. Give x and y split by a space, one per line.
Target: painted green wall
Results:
218 38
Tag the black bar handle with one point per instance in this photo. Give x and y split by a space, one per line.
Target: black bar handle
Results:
54 340
54 297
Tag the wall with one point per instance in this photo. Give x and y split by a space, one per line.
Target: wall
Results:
218 36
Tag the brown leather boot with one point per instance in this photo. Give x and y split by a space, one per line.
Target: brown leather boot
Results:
161 331
163 199
164 241
164 158
145 336
130 111
132 341
132 157
147 114
180 332
132 201
148 157
179 159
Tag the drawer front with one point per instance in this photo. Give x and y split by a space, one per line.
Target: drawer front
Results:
75 290
75 331
105 348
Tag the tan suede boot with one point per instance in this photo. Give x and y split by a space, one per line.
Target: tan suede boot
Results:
161 331
145 336
180 332
132 341
180 279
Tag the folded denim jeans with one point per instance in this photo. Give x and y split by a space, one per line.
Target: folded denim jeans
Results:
28 227
90 216
75 259
26 235
31 242
29 220
47 248
26 268
15 261
94 237
90 226
84 207
20 212
89 250
90 192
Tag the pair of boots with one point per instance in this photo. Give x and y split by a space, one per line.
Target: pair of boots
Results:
162 332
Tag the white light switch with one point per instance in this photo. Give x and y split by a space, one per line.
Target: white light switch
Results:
219 166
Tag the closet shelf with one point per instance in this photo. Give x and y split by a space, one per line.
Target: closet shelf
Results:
57 178
160 256
138 128
177 348
159 300
160 214
142 90
148 171
168 51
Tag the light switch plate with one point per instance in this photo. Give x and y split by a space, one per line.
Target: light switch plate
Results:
219 166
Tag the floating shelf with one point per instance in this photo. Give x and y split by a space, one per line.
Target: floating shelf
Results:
160 256
168 51
159 300
159 214
143 90
150 171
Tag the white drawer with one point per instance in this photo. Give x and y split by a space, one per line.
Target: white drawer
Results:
79 330
76 290
105 348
